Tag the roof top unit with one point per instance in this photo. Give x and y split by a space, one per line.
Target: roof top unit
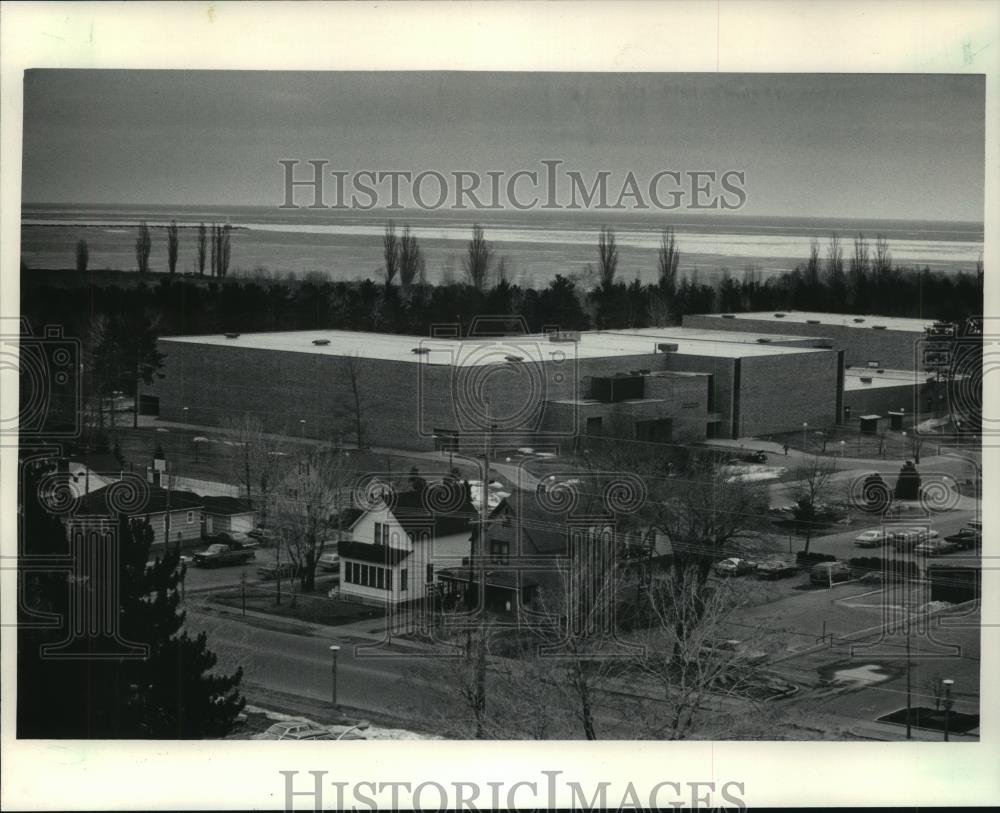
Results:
728 315
667 347
812 321
866 379
420 351
859 320
762 340
321 342
513 358
232 335
564 335
780 315
878 327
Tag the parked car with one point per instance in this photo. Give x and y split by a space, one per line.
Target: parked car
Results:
776 569
908 538
231 537
827 572
273 570
936 547
223 553
295 730
870 539
732 649
733 567
328 561
966 538
976 525
262 535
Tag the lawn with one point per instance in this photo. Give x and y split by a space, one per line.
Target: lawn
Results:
315 609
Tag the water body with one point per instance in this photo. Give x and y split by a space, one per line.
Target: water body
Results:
536 245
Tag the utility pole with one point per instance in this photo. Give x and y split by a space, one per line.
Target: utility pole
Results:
484 509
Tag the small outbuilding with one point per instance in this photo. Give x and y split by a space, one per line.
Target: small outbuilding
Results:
870 424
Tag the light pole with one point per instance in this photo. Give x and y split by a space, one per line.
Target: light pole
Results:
843 445
805 426
302 427
948 703
185 411
903 434
334 649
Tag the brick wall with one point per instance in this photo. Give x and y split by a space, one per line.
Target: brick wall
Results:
894 349
778 393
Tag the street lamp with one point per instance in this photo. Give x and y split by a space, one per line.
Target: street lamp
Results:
334 649
185 411
843 444
805 426
948 703
302 427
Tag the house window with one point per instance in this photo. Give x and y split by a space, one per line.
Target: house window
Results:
347 573
430 572
190 517
380 578
357 573
388 580
378 533
499 551
403 580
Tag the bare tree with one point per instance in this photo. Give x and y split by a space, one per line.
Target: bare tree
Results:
143 246
225 249
172 246
813 479
812 264
478 259
214 241
390 252
202 248
882 263
411 260
358 407
82 255
259 461
607 254
859 262
834 259
689 654
667 261
310 508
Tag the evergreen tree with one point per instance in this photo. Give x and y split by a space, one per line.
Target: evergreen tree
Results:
156 683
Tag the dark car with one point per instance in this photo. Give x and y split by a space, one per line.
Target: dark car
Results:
220 554
829 572
285 570
966 538
776 569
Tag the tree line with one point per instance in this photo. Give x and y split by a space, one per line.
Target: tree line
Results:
404 302
214 244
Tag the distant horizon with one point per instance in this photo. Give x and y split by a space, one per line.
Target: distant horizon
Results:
484 215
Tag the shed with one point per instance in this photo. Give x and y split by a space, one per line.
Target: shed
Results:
870 424
228 514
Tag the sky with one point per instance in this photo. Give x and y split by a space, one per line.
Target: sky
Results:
904 146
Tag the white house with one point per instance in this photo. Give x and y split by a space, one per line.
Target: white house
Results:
397 548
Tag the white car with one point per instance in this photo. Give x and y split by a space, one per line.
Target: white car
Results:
870 539
329 561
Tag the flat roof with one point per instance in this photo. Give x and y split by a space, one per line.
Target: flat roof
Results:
855 320
707 335
469 352
621 342
887 378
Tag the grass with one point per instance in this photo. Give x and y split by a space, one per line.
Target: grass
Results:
314 608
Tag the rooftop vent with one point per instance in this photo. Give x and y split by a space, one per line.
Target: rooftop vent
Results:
878 327
859 320
880 372
232 335
812 321
420 351
321 342
644 372
866 379
780 315
564 336
763 341
667 347
513 358
729 316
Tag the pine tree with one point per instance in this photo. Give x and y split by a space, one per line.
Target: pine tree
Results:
170 693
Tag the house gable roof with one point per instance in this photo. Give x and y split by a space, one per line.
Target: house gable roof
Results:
444 507
97 503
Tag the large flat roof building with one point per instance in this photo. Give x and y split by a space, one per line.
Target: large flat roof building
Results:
879 341
671 384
